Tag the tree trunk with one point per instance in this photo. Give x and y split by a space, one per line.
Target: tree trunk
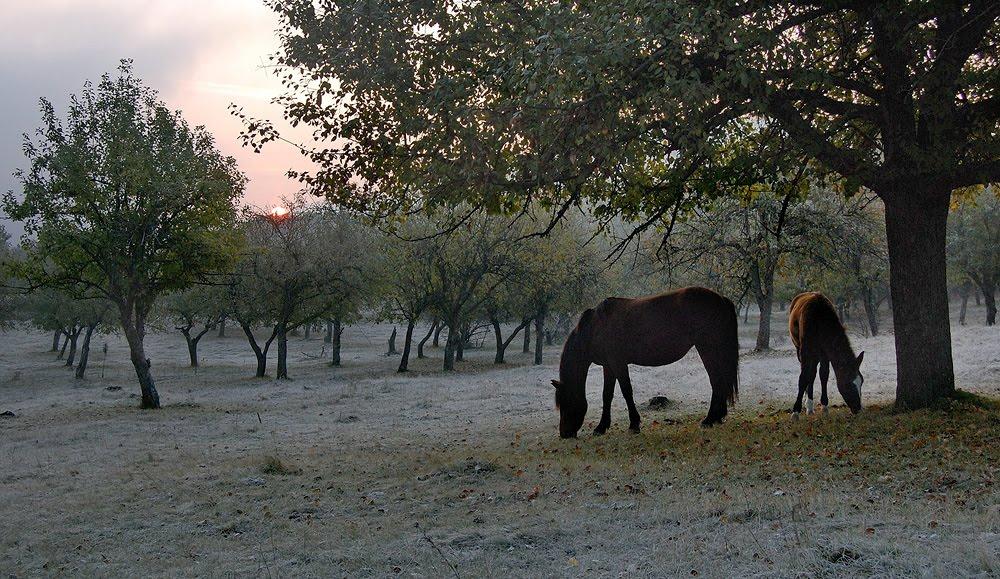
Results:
282 372
135 333
746 313
437 336
527 340
222 327
963 291
449 350
871 310
328 336
55 340
539 333
989 296
405 359
192 344
65 344
459 344
765 303
420 346
501 347
74 336
335 343
916 232
308 332
81 367
392 343
978 303
261 354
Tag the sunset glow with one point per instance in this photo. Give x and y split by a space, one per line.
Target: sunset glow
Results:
280 212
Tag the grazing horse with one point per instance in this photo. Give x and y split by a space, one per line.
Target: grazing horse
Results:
820 338
649 331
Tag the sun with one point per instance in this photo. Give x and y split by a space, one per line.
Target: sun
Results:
280 212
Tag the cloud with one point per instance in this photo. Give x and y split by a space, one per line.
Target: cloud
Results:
201 55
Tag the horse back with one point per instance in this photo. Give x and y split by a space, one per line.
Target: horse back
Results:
813 321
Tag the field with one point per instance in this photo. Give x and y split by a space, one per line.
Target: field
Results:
359 471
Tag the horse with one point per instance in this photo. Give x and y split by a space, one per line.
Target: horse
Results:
820 338
648 331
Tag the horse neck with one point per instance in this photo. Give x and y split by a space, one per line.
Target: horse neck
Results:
573 364
841 356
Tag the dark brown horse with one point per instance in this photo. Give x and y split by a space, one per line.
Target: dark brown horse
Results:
819 338
650 331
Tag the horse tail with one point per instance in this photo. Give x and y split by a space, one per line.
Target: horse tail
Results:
731 354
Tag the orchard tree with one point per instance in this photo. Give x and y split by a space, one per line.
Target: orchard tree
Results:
127 200
974 244
298 261
8 286
412 282
195 312
627 106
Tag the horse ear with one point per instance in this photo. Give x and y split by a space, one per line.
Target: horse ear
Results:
861 357
556 383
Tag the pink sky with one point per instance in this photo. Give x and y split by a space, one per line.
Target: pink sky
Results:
201 55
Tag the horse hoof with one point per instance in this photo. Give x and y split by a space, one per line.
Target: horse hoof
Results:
599 431
795 415
810 409
826 409
633 429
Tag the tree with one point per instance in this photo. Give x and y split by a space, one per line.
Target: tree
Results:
127 200
625 105
7 287
296 266
70 316
195 312
974 244
412 282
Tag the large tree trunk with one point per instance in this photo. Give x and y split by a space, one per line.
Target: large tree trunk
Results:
501 347
282 372
539 332
335 343
55 340
73 337
919 288
405 359
81 367
420 346
963 291
135 333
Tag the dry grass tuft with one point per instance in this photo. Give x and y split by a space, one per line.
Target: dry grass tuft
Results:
274 465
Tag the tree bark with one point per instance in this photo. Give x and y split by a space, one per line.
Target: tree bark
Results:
81 367
527 340
55 340
135 332
328 336
74 336
916 229
437 336
420 346
65 344
260 353
449 350
335 343
282 372
308 331
222 327
988 287
763 286
392 343
501 347
405 359
963 291
871 310
192 345
539 333
459 343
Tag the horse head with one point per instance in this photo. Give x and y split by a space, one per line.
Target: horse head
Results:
571 403
850 386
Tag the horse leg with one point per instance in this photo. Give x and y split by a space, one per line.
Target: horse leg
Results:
626 385
609 394
824 377
806 378
717 409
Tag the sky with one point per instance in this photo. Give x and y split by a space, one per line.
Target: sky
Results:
201 55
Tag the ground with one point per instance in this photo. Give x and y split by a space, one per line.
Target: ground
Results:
359 471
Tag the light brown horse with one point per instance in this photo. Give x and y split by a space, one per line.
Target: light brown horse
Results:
649 331
820 338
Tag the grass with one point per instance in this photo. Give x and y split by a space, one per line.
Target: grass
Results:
274 465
